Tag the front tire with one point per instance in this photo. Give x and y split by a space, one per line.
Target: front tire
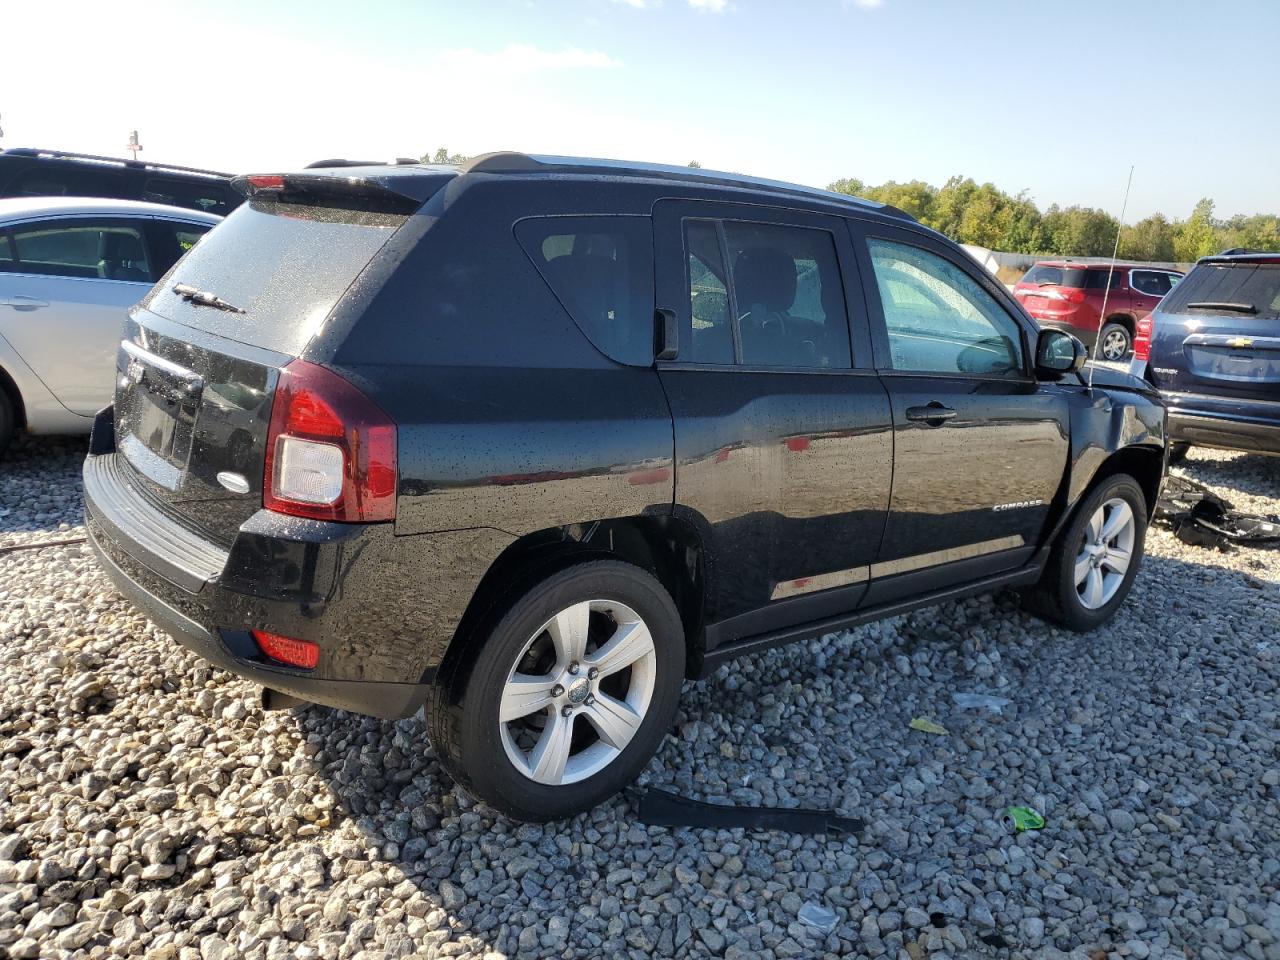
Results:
1093 563
569 695
1114 342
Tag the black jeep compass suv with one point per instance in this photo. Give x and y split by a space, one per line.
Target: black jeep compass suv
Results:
529 441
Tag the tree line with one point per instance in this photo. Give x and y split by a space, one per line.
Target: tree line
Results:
984 215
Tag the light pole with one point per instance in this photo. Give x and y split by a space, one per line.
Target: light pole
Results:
133 145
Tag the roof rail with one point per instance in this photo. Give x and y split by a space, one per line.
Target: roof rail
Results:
343 162
510 161
133 164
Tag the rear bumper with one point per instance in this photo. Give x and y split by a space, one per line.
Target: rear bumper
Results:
1214 422
301 579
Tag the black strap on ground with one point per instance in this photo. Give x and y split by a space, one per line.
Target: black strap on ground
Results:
1200 517
657 808
15 547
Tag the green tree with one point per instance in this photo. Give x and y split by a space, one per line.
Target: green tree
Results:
1150 239
848 186
444 156
1196 236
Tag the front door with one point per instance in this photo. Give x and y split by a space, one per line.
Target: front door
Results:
65 291
979 449
783 436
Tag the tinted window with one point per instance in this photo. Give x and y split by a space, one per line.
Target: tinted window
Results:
939 318
1152 282
711 329
284 264
1097 279
101 250
788 296
1045 276
1246 290
601 270
6 252
66 180
198 194
174 240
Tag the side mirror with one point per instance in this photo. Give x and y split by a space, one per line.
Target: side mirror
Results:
1059 353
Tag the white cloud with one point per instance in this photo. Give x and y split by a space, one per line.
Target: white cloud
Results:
709 6
522 59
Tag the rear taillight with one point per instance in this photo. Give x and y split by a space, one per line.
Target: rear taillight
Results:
1072 294
287 650
1142 339
331 452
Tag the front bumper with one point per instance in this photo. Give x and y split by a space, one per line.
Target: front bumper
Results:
324 582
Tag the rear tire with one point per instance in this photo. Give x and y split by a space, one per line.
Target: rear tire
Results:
1093 563
569 695
1114 342
7 421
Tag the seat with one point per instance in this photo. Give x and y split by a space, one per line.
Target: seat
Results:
122 257
765 282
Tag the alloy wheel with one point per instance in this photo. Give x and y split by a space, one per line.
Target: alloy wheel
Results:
1105 554
1115 345
578 692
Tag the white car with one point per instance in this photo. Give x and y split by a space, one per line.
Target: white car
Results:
70 268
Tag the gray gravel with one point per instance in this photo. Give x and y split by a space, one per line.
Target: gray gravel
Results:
148 807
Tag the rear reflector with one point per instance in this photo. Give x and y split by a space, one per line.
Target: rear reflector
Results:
287 650
1142 339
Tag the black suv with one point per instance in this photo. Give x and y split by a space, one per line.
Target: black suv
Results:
27 172
530 441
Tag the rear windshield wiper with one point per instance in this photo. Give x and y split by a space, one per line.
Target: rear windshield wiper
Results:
203 298
1222 305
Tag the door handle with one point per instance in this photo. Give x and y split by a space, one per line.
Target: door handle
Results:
934 414
23 303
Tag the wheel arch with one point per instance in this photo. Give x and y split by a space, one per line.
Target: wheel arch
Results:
9 387
666 547
1125 320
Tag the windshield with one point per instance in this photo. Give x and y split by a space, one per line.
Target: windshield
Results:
284 265
1247 289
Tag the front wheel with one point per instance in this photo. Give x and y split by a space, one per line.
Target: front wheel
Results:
569 696
1093 563
1114 342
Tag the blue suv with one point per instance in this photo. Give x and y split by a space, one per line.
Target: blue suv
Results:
1212 349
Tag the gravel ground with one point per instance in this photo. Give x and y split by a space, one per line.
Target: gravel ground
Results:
148 807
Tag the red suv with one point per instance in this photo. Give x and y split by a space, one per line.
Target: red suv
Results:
1068 295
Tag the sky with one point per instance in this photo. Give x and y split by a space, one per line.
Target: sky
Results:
1055 99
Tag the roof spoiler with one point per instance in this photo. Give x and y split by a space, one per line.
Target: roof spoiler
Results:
398 190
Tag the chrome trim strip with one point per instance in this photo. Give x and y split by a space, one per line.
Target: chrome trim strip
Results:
823 581
889 568
160 363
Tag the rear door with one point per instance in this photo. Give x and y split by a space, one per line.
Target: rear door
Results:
196 383
1217 333
1147 288
782 429
64 298
979 447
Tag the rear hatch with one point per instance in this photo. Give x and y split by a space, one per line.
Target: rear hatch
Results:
1048 290
200 356
1217 333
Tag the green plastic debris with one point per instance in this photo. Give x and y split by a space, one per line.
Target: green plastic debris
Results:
927 726
1023 818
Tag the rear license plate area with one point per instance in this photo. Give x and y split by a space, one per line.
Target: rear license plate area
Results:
156 406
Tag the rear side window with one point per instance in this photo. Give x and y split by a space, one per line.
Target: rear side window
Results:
1237 289
1097 279
85 249
211 197
66 180
601 270
6 252
1151 282
284 264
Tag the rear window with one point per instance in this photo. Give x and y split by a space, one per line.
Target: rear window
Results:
211 197
1237 289
1045 276
284 264
601 269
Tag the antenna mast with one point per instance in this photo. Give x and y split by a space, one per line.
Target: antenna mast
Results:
1115 252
